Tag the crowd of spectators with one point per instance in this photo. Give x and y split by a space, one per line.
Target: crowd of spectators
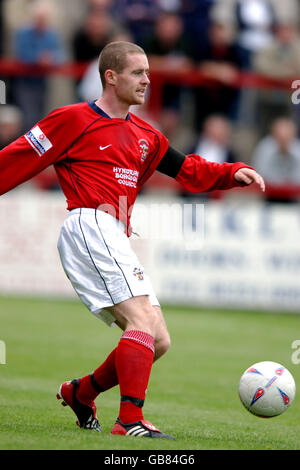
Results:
221 41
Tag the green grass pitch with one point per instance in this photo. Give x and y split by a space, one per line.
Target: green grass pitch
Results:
192 392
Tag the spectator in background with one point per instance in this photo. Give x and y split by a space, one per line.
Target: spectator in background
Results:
11 124
280 60
253 21
277 156
36 44
219 60
138 16
256 20
195 15
97 30
215 140
167 46
168 50
93 35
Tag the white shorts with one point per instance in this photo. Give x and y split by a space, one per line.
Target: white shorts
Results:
98 260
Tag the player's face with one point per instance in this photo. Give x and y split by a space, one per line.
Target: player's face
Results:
132 82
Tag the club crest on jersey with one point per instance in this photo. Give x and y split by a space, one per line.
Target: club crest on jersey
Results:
137 272
38 140
144 149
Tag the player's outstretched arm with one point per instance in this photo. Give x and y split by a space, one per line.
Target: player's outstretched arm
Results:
196 174
248 176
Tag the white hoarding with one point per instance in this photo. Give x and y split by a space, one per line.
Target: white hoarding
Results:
225 253
248 255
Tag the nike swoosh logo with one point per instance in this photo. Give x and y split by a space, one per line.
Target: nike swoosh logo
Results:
103 148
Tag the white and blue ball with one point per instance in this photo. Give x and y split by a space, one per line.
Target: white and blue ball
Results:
267 389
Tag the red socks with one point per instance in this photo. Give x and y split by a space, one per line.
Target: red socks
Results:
133 362
129 364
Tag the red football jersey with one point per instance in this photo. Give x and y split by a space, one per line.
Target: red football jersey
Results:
102 162
99 161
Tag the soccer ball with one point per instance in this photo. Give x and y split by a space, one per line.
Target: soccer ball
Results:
267 389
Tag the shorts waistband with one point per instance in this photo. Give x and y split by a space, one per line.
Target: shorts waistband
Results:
82 210
91 211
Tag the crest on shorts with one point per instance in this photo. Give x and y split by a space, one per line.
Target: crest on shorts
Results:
137 272
144 149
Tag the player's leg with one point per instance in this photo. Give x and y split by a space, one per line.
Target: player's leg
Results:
105 377
161 335
143 326
128 315
130 364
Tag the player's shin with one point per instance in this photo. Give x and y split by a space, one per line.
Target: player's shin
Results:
134 359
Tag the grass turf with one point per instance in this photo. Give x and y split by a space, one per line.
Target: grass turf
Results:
192 392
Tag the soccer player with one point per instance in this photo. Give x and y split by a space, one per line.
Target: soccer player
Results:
103 154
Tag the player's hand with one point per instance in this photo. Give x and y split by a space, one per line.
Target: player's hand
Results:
247 176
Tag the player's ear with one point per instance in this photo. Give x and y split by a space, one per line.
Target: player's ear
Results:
110 77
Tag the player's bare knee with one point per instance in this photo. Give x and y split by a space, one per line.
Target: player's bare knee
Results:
147 319
136 314
162 345
143 319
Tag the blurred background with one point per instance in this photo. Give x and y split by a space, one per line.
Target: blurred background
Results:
223 85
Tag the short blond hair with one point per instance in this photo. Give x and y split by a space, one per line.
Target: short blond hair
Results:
114 57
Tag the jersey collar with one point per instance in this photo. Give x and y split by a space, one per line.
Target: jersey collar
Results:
92 104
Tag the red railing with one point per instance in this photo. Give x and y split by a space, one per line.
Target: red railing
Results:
190 76
12 68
